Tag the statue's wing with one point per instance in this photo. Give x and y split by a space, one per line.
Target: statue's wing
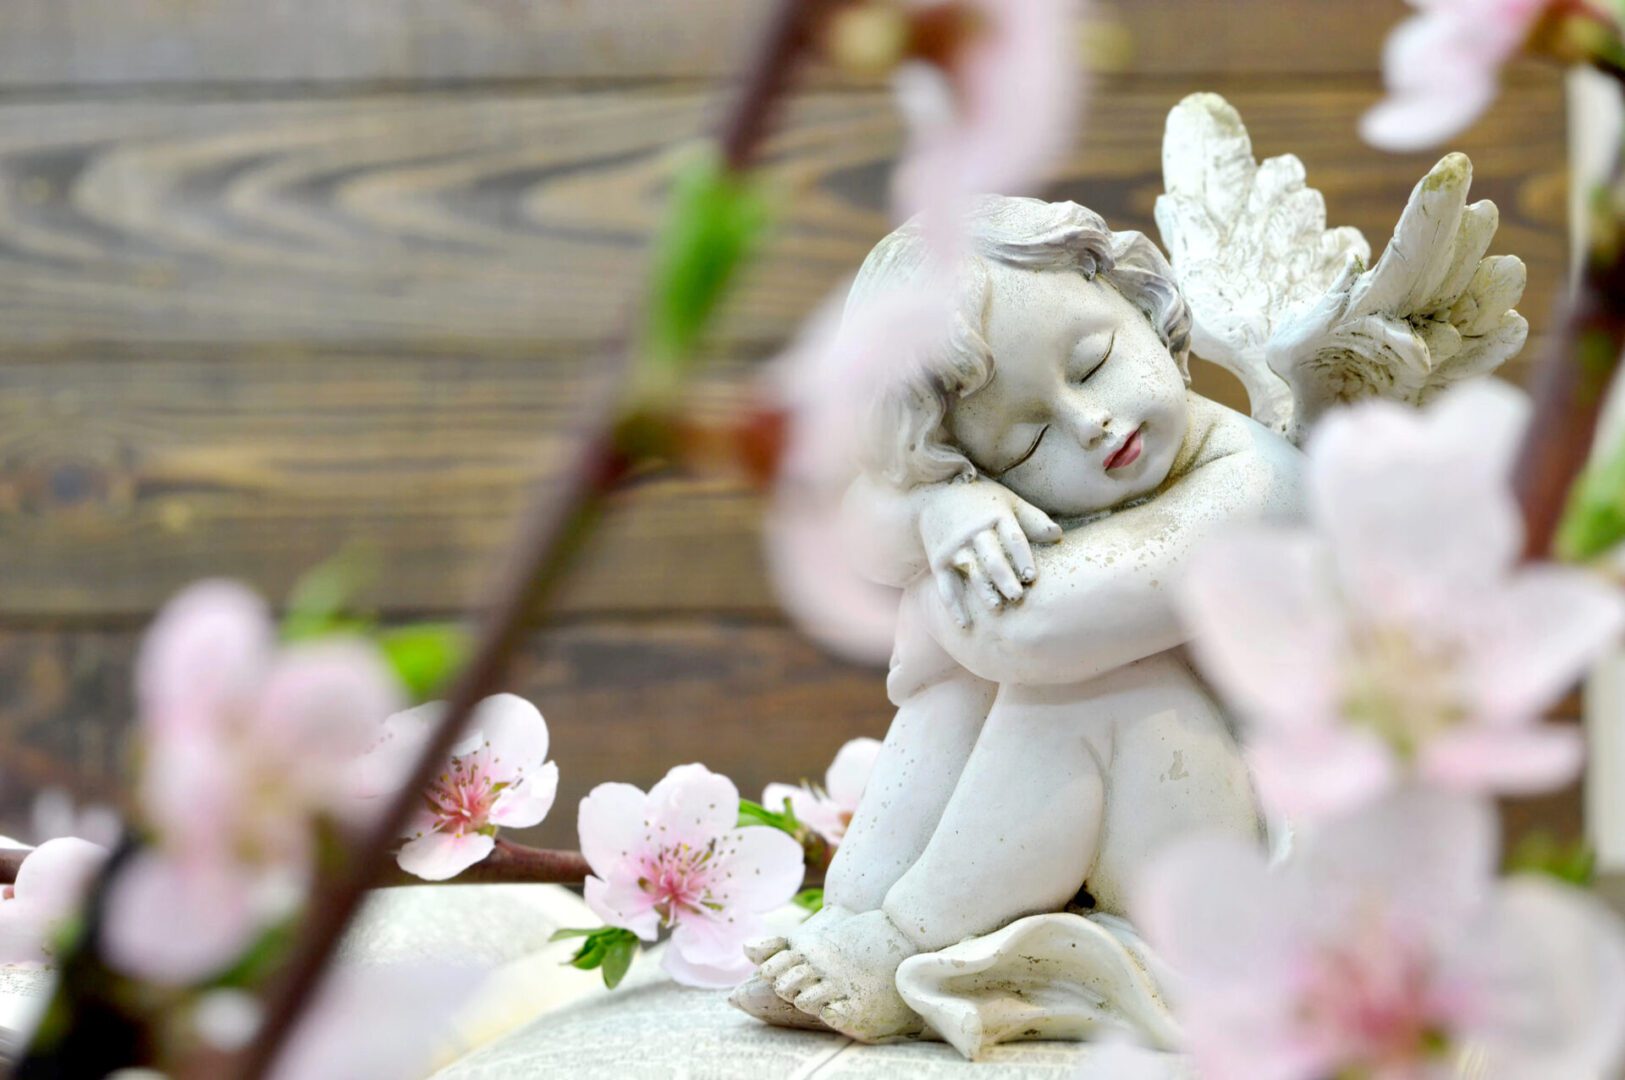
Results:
1432 311
1248 242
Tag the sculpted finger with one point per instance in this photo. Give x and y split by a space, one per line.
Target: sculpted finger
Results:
1038 525
951 587
1019 551
976 580
996 565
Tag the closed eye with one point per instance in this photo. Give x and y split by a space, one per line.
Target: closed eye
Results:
1102 361
1025 454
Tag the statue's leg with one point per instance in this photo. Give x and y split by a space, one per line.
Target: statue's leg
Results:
917 769
1021 831
1017 836
940 712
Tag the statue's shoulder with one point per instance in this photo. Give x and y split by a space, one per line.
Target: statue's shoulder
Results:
1259 464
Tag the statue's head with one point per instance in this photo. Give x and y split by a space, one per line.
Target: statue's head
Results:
1064 375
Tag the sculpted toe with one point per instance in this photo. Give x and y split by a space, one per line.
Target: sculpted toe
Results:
779 963
763 949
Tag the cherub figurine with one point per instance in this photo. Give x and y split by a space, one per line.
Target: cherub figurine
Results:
1035 488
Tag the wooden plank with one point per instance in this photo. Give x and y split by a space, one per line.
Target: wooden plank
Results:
124 475
624 701
436 218
55 43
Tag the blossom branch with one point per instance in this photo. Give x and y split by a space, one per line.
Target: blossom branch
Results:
509 863
1573 383
550 538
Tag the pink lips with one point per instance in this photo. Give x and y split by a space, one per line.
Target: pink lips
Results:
1127 454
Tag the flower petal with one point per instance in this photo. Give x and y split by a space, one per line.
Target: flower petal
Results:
175 924
613 829
324 703
687 973
692 805
622 903
206 652
1504 761
761 868
58 871
515 731
1543 981
849 773
1551 624
715 939
526 805
437 856
1265 629
1320 773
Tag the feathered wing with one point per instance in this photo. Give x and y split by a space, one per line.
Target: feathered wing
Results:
1433 311
1248 241
1288 304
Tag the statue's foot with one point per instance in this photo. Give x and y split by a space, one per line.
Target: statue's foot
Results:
757 997
846 975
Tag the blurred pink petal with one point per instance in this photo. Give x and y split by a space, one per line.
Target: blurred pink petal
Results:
998 119
1442 66
376 1023
496 776
206 652
1523 761
676 858
50 885
176 923
1383 947
828 810
1393 633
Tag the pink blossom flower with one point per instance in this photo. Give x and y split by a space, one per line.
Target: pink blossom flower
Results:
50 885
245 743
828 810
380 1022
997 117
1394 633
675 858
1443 66
498 776
1384 948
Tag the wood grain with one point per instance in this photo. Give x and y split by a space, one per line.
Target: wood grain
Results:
625 700
447 218
78 43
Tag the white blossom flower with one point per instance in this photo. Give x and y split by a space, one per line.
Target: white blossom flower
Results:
828 810
1395 633
676 858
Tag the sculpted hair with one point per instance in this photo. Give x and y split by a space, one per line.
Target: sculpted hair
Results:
903 439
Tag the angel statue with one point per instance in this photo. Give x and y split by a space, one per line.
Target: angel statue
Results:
1035 488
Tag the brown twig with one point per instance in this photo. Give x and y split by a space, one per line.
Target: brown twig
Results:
512 863
1571 388
542 553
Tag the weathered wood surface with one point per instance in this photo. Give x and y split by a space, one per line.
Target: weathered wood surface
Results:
235 336
56 43
524 216
625 700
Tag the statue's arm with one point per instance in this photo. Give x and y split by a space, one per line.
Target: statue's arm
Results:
881 525
1107 593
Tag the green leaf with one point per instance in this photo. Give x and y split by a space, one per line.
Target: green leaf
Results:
618 960
751 813
714 221
609 947
1572 861
425 655
319 601
1594 520
812 900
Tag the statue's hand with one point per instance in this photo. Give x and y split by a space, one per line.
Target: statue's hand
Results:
977 536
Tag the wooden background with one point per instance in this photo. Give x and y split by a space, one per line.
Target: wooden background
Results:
278 276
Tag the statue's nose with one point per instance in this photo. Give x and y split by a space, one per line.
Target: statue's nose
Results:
1088 425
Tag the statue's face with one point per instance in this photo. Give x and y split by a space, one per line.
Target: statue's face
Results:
1087 408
